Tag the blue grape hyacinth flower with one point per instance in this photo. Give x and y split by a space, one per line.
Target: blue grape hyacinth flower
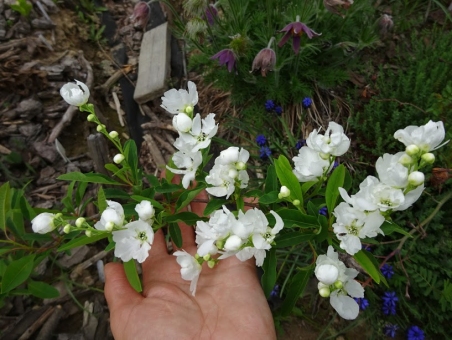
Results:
363 303
265 152
269 105
390 330
261 140
415 333
387 270
306 102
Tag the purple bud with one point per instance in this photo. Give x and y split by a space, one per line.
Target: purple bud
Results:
141 14
265 61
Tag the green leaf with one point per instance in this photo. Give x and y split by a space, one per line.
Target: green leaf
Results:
67 200
271 182
388 228
187 196
348 181
308 185
287 178
292 218
89 177
101 200
17 272
82 240
296 289
80 192
167 188
268 279
116 171
269 198
110 246
175 234
335 181
26 209
187 217
292 238
363 258
16 222
131 155
5 203
214 204
132 275
42 290
116 193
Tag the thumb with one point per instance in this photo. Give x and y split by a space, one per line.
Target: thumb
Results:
118 291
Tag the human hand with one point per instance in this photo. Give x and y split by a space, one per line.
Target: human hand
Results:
229 303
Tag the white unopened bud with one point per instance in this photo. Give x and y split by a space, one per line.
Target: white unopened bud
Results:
240 166
284 192
89 233
338 284
189 109
100 127
233 243
233 173
412 150
211 264
43 223
428 158
145 211
79 222
206 257
324 155
405 160
324 292
416 178
118 158
327 273
109 226
182 122
67 228
113 134
296 202
91 117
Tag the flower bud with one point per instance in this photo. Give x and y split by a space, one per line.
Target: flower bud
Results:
145 211
189 110
264 61
91 117
233 173
296 202
88 233
284 192
240 166
327 273
412 150
79 222
211 263
233 243
416 178
43 223
220 244
324 156
206 257
338 284
67 228
100 127
405 160
118 158
109 226
113 134
75 94
182 122
324 292
141 14
428 158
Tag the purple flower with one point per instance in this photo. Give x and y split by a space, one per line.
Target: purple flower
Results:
324 211
278 110
363 303
390 330
275 291
389 303
141 14
211 14
265 61
269 105
265 152
366 247
300 144
306 102
335 164
225 57
415 333
296 30
261 140
387 270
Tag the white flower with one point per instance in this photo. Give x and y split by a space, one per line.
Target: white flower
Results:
190 161
427 137
134 242
182 122
112 215
410 197
43 223
222 183
416 178
233 156
145 211
309 166
75 94
201 134
262 240
118 158
334 142
391 171
351 225
190 269
176 101
330 271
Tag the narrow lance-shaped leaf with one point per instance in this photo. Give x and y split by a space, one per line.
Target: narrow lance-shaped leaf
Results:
268 279
132 275
17 272
335 181
296 289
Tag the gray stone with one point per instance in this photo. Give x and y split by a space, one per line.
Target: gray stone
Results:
46 151
43 24
154 64
29 108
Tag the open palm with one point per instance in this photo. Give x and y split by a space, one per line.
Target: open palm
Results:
229 302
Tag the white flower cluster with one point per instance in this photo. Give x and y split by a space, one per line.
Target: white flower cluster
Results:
337 282
399 185
195 133
246 236
134 239
314 160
